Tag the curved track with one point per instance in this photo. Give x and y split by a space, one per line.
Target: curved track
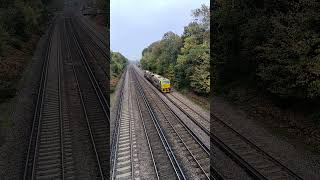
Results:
161 149
190 145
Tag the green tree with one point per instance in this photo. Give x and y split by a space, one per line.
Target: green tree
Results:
118 64
184 60
161 54
290 60
194 61
272 44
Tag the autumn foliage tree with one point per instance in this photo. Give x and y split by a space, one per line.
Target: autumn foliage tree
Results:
20 20
274 45
184 60
118 64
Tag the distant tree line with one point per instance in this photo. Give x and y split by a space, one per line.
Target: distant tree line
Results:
184 60
273 45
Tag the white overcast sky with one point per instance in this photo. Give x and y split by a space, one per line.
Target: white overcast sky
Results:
135 24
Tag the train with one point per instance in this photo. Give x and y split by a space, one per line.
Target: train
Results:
161 83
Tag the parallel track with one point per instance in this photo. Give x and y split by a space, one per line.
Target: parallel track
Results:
91 33
253 159
125 159
116 126
29 163
94 104
197 153
165 161
196 117
256 162
176 96
96 51
49 152
98 35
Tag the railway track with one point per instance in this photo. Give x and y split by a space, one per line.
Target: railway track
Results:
100 36
114 137
99 54
101 45
196 117
253 159
125 160
166 164
94 104
197 154
256 162
49 153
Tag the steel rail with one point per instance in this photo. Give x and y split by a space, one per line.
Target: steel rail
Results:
185 145
185 104
91 28
116 144
99 94
84 108
94 83
190 117
226 149
248 168
101 49
232 154
251 144
38 106
177 167
182 123
130 131
94 44
215 174
147 137
115 134
203 147
60 114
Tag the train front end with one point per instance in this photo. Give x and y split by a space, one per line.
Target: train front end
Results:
165 85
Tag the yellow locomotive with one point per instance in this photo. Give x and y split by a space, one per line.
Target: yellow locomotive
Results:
161 83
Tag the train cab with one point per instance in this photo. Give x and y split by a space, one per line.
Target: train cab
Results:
161 83
165 85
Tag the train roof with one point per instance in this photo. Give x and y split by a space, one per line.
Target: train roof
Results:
157 76
160 77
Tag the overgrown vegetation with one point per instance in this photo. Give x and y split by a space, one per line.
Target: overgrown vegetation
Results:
271 47
104 8
117 66
273 44
20 21
184 60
